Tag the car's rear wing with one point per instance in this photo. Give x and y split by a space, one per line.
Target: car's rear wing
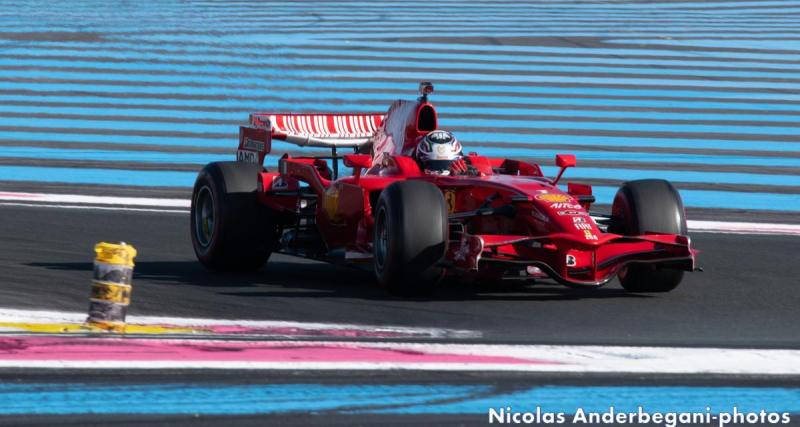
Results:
320 130
306 130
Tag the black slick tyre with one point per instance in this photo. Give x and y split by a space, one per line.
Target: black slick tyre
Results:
410 239
230 230
649 205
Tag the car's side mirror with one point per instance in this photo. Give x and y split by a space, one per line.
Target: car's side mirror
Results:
564 161
363 161
357 162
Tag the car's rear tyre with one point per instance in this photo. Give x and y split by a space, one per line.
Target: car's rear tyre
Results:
230 230
649 205
410 238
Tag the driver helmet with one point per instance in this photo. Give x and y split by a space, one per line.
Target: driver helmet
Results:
437 150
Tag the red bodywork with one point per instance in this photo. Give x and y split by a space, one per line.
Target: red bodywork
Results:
506 218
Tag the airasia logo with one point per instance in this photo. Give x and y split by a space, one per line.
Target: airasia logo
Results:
571 206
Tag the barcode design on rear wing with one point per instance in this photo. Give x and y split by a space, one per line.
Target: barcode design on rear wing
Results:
320 129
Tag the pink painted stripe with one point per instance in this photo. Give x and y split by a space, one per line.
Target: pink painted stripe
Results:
113 349
25 196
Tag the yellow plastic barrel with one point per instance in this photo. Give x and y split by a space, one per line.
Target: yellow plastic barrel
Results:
111 285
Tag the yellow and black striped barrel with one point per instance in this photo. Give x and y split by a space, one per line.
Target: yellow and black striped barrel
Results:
111 285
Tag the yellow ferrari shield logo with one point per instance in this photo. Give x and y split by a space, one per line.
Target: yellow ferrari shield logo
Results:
554 198
450 199
331 203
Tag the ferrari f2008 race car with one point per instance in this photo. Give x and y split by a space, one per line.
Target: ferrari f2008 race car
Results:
491 218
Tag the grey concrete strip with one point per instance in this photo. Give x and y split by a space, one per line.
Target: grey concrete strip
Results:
683 106
229 136
366 91
389 79
117 146
530 118
565 148
53 36
533 117
743 215
443 105
675 166
45 105
365 52
511 85
693 74
548 41
544 131
175 59
707 186
144 119
102 164
475 40
96 189
471 146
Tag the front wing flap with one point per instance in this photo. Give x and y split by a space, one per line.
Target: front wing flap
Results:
569 260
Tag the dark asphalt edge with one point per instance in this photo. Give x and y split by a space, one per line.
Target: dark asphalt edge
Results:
388 377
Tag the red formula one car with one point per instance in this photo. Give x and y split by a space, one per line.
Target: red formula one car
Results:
501 218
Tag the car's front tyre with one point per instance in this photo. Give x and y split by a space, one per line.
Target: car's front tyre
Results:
649 205
410 237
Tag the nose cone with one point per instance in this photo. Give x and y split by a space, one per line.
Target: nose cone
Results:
567 214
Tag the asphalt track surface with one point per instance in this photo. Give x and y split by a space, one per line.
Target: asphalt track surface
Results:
745 298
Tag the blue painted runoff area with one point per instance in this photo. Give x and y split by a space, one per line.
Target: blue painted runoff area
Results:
216 399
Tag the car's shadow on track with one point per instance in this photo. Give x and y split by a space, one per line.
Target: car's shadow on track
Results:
312 279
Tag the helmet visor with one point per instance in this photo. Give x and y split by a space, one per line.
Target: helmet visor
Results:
438 165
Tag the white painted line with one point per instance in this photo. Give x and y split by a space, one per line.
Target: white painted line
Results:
95 208
44 316
76 201
95 200
744 227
